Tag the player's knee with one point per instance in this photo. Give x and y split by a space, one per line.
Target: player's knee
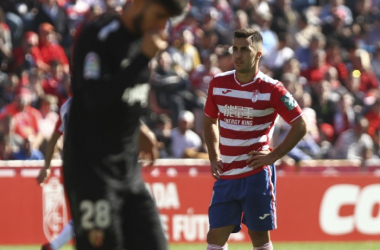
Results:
217 237
259 238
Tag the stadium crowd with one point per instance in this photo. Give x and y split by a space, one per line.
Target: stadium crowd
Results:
326 53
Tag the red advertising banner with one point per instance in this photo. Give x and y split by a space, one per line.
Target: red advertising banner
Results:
318 207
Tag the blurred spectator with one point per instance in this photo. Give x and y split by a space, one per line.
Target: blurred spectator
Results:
50 12
13 9
5 42
352 85
275 60
202 75
241 20
334 58
192 24
305 54
211 22
185 55
375 62
374 31
76 11
306 149
208 42
293 66
270 41
225 62
354 143
200 79
25 117
169 93
344 117
327 13
28 54
26 152
305 103
336 28
373 117
6 89
292 84
56 82
162 131
5 149
303 36
317 69
323 102
12 140
284 18
49 47
331 75
362 67
376 144
182 136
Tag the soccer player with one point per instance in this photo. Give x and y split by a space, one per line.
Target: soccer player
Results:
109 203
246 103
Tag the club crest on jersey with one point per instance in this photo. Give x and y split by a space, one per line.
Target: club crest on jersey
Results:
91 67
96 237
255 95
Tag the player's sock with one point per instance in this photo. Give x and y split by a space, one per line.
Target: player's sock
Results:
65 236
216 247
267 246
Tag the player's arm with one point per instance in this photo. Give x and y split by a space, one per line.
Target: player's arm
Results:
296 133
45 171
283 102
211 135
148 146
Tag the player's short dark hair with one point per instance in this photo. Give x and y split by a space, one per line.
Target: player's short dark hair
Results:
174 7
256 38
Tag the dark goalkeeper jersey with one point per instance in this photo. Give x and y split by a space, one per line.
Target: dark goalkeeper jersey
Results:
110 90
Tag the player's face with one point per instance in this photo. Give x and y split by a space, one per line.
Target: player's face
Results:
244 55
153 17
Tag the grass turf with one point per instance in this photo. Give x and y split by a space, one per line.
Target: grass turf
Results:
241 246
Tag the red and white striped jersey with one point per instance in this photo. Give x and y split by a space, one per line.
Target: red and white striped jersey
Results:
247 113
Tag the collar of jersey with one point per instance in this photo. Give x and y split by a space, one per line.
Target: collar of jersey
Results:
258 74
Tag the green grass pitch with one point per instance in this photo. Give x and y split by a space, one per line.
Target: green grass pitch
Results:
240 246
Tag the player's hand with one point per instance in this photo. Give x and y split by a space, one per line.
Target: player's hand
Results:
42 176
148 146
216 169
154 41
259 158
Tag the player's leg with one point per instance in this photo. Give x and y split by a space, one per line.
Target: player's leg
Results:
260 240
142 227
217 237
224 213
95 215
260 207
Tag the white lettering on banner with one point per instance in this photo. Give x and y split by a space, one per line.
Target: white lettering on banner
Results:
364 201
164 222
365 222
190 227
165 195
